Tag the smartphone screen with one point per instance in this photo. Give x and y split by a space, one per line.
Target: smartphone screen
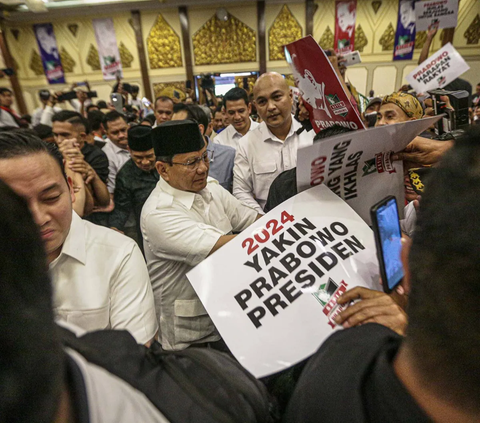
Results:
146 102
389 244
117 102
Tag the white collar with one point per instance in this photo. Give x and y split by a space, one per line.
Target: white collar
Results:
185 197
268 135
74 244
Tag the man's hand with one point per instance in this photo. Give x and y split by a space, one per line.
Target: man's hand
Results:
302 110
431 32
82 96
373 307
69 148
422 152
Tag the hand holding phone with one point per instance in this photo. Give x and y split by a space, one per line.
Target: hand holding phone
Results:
117 102
388 239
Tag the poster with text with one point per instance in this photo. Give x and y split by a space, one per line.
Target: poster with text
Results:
107 48
438 70
436 14
345 17
405 34
322 92
357 166
271 292
47 44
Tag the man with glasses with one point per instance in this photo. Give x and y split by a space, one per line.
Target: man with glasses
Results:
187 217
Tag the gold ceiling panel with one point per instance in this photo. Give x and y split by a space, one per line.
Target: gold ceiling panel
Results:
163 46
326 40
360 39
472 34
92 58
284 30
174 90
387 40
36 63
68 63
229 41
125 56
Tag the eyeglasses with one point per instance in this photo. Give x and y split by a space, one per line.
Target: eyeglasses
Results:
194 163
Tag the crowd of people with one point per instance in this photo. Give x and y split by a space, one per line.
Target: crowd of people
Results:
120 205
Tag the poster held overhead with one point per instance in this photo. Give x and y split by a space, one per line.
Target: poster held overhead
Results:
47 44
405 34
107 48
438 70
322 92
436 14
272 290
357 166
345 17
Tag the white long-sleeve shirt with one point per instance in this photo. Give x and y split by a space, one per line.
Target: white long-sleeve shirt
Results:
260 158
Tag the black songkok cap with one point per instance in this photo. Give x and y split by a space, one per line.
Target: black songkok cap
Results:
140 138
177 137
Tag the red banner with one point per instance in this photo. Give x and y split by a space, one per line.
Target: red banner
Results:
322 91
345 16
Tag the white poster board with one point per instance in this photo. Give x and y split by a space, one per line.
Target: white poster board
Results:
357 166
436 13
271 291
438 70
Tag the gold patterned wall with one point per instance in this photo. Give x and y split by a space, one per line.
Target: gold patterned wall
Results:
174 90
163 46
219 42
285 30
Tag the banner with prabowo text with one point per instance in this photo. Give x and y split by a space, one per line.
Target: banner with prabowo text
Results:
271 292
322 92
357 166
438 70
436 14
47 44
405 34
107 48
345 18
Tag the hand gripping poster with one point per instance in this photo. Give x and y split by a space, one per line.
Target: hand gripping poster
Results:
47 44
405 34
271 291
357 165
321 90
345 17
107 48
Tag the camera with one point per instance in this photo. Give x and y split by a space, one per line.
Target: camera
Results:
454 119
207 82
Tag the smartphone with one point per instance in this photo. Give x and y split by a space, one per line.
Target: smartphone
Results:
8 71
388 239
146 102
352 58
117 102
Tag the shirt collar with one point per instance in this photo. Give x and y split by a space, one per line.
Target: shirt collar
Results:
267 135
116 149
74 245
184 197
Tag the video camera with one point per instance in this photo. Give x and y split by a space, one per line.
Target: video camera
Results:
456 119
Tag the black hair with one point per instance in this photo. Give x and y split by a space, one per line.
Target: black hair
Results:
194 112
149 118
4 90
71 117
331 131
32 370
443 333
102 104
25 142
162 98
43 131
112 116
135 88
90 107
235 94
95 119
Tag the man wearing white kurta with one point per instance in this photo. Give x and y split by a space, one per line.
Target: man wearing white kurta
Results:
271 148
187 217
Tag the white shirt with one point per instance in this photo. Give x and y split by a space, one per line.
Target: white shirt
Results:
117 157
6 119
100 281
44 115
179 230
261 157
230 136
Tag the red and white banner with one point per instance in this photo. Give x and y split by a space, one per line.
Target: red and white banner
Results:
107 48
345 17
321 90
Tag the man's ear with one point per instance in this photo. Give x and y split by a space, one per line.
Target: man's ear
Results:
162 169
249 108
406 245
70 188
202 128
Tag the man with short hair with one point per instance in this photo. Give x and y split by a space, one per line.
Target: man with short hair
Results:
99 277
163 109
218 120
187 217
71 129
38 115
8 117
398 107
135 180
223 157
95 119
116 148
271 147
237 108
433 374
